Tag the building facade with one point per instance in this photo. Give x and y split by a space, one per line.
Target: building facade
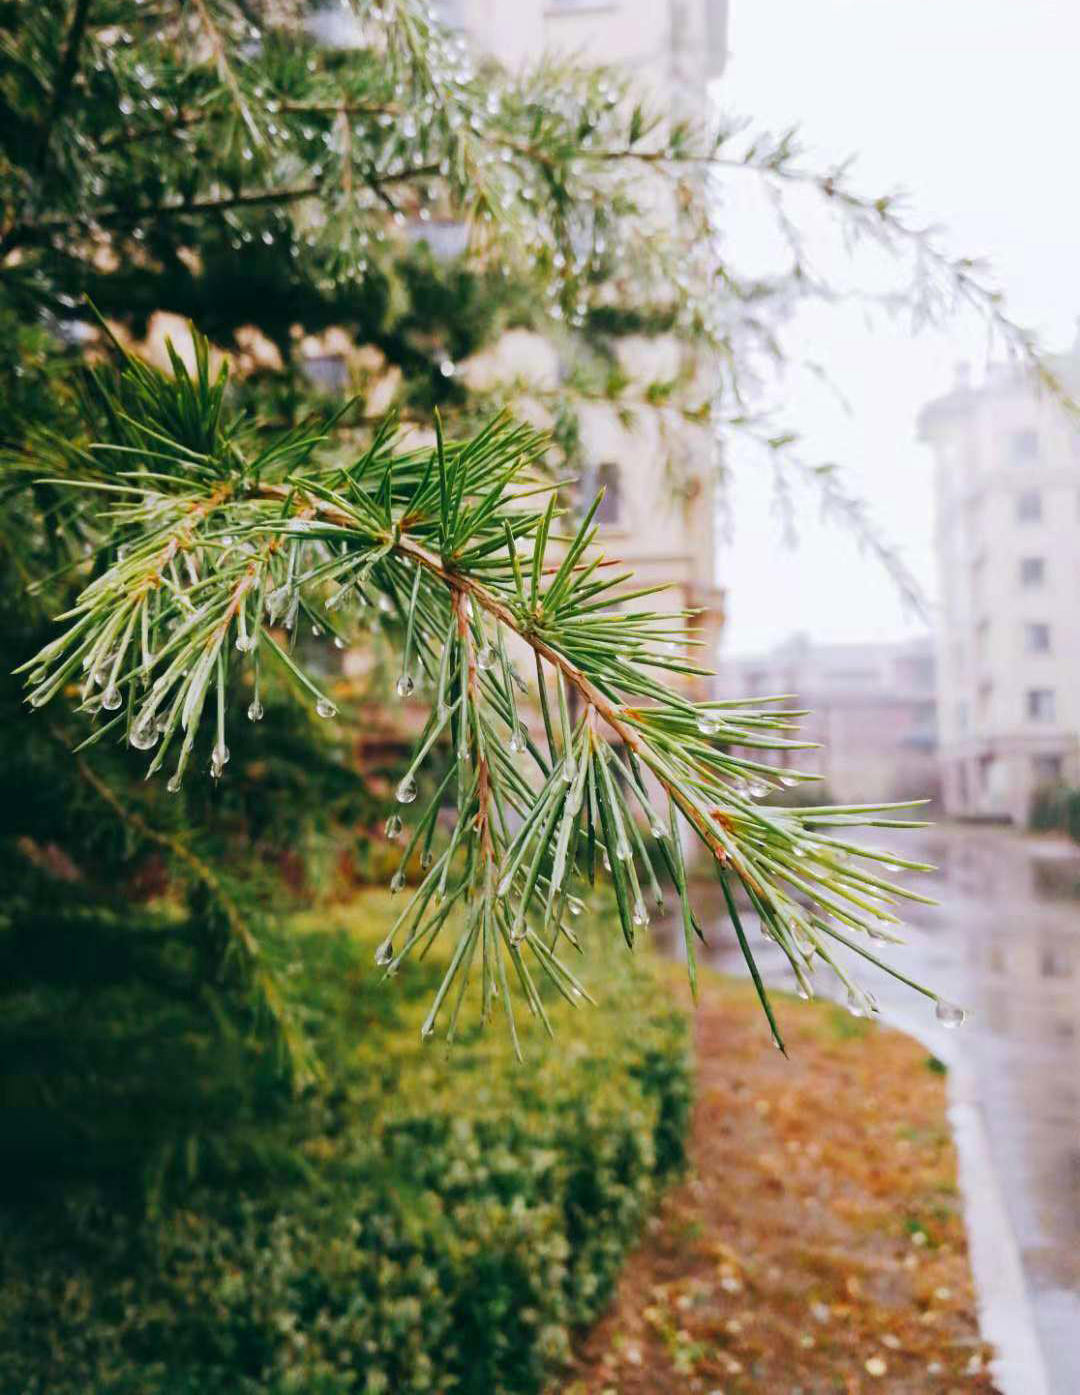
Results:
673 48
660 527
1007 500
871 707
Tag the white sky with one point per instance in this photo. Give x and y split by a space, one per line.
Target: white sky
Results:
973 107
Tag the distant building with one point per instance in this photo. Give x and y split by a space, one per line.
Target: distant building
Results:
1007 535
872 708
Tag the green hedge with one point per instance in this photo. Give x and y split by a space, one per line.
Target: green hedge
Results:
420 1223
1056 807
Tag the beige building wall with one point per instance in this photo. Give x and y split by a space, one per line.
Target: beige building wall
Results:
660 524
1007 538
672 47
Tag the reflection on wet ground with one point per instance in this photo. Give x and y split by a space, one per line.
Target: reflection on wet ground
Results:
1005 943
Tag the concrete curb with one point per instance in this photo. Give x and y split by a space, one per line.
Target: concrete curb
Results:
1005 1315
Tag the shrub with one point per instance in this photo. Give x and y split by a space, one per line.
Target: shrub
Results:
1056 807
1048 808
416 1223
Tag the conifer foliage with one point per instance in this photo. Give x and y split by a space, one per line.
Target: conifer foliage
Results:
159 154
214 550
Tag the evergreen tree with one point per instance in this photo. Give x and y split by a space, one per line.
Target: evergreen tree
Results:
222 159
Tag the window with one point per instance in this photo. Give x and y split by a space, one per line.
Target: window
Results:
1047 770
1055 962
1039 704
1036 638
1032 571
329 372
1029 506
853 677
605 477
1024 447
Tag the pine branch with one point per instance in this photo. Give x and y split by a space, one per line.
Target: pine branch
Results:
69 66
226 545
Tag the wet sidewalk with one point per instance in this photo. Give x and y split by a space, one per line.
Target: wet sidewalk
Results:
1005 943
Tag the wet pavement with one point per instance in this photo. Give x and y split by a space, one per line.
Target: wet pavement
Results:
1004 943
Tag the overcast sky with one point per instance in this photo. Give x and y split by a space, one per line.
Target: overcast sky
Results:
973 106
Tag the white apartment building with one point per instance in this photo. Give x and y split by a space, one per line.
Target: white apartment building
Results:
1008 545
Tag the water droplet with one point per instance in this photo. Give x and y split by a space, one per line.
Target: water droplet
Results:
255 711
219 759
569 770
447 368
111 698
339 643
803 992
855 1004
405 685
788 782
144 734
755 789
245 643
657 829
316 630
517 741
427 1031
948 1014
708 726
487 657
427 857
161 721
397 881
173 785
393 827
384 953
607 861
640 915
385 605
325 708
276 601
38 700
574 906
406 791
